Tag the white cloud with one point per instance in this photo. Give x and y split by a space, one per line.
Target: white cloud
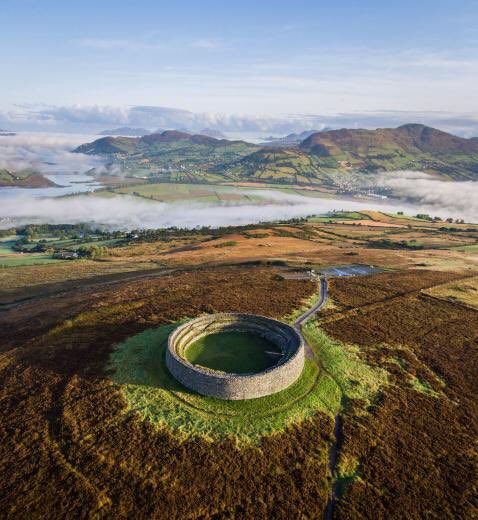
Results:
45 153
94 118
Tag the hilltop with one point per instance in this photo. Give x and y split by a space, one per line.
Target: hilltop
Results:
331 155
411 146
93 422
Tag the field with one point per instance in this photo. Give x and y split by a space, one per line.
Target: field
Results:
26 259
239 352
93 424
462 291
168 192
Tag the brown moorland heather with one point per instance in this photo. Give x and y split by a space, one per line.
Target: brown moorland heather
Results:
416 450
67 448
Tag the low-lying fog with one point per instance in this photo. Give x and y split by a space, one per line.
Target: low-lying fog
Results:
125 212
47 153
51 154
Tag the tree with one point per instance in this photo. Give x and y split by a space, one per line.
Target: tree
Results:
92 252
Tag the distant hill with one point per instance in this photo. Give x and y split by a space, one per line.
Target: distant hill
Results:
411 146
168 152
24 179
326 155
412 137
213 133
205 131
126 131
289 140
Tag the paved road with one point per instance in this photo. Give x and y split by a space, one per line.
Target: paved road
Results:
301 320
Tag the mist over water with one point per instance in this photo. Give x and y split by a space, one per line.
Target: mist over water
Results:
126 212
46 153
459 199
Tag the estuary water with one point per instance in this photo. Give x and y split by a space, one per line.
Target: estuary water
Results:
68 184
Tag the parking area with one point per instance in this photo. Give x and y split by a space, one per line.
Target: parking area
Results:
349 270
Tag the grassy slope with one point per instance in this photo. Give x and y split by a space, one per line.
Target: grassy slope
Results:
413 147
462 291
171 150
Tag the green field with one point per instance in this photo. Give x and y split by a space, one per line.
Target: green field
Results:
172 192
339 215
6 247
472 248
26 259
233 351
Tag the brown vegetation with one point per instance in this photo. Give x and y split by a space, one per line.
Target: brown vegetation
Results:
416 450
66 448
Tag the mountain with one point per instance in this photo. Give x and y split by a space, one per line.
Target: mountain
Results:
322 157
410 137
169 152
411 146
288 140
126 131
205 131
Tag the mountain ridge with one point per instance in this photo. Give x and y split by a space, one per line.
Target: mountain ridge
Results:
325 154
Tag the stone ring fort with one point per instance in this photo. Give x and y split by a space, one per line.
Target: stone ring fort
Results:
286 367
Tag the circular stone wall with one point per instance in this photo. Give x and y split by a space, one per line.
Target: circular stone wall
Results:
224 385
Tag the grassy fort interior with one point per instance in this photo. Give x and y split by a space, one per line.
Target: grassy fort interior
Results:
233 351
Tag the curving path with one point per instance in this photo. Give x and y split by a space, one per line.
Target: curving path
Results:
337 434
301 320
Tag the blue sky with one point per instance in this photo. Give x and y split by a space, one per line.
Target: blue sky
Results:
257 58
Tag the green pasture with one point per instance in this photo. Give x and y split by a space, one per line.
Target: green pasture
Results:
339 215
26 259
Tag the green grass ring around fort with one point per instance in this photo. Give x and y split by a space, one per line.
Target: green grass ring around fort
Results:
235 356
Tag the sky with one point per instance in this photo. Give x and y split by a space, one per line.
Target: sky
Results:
248 65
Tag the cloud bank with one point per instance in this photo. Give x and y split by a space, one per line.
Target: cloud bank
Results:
457 198
92 119
45 153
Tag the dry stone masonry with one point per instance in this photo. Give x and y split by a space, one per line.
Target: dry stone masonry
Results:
236 386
